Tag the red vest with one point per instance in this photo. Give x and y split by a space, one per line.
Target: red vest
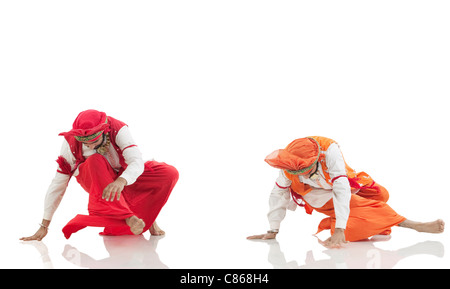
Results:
76 148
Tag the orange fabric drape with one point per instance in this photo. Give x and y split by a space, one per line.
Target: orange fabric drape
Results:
369 215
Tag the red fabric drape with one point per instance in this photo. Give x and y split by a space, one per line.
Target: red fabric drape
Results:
145 198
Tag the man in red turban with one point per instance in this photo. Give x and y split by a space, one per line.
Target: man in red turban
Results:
313 172
126 194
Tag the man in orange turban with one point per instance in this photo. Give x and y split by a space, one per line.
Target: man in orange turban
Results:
126 194
313 172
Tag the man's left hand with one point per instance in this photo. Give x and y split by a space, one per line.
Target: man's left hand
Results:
336 240
113 189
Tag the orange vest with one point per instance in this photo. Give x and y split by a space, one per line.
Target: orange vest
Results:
357 180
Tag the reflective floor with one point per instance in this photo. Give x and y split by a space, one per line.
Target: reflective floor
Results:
87 249
204 230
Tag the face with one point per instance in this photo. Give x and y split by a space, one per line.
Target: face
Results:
313 174
93 145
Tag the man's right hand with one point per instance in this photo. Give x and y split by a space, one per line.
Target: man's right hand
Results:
38 236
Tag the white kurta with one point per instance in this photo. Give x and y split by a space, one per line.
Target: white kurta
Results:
132 156
321 192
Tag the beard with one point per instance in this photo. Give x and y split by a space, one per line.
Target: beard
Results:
104 137
104 146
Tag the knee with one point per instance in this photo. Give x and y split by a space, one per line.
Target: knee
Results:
171 173
162 171
383 193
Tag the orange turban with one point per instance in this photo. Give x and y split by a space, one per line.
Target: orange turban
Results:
299 157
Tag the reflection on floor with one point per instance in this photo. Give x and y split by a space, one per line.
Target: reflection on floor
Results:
125 252
355 255
138 252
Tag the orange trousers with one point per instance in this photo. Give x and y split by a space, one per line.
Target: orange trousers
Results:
369 214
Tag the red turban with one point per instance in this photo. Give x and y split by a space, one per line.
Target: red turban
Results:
299 157
88 126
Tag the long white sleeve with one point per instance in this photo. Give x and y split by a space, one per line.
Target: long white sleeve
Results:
131 154
58 185
341 187
321 191
55 194
279 201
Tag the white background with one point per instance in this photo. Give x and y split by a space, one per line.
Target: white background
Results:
212 87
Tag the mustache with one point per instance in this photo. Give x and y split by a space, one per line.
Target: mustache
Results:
104 136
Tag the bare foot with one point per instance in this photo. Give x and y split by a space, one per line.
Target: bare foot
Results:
156 231
432 227
428 227
136 225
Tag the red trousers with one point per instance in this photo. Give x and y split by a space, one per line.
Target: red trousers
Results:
145 198
369 215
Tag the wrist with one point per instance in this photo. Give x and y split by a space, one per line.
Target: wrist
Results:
45 223
123 181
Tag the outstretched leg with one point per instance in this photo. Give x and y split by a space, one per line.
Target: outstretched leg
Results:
434 227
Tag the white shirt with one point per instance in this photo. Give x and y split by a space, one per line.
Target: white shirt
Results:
321 192
132 156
